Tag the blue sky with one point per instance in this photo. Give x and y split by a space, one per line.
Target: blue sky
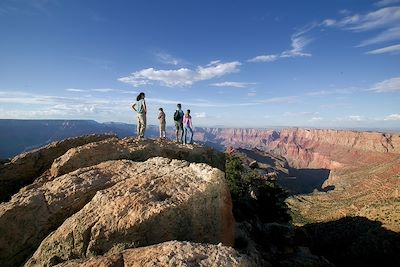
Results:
233 63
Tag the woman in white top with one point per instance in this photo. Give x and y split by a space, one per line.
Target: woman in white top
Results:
141 110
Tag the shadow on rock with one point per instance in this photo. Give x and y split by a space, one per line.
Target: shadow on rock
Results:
352 241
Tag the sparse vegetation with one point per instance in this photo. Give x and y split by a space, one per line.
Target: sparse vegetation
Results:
253 196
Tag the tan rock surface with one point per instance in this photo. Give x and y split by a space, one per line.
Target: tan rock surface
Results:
171 253
129 148
37 210
155 201
24 168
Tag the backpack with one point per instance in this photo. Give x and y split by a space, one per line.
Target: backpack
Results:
177 115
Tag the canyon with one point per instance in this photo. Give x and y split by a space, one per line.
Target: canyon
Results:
338 172
362 170
100 199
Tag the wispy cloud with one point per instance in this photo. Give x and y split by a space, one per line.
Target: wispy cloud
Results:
181 77
200 115
343 91
393 49
280 100
388 35
300 114
386 19
103 90
316 119
387 2
233 84
264 58
75 90
392 117
168 59
298 43
100 90
194 103
389 85
28 7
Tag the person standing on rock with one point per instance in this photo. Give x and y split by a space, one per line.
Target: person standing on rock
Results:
178 119
161 118
188 126
141 110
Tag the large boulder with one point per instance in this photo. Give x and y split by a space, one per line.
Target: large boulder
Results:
25 168
153 202
130 148
38 209
171 253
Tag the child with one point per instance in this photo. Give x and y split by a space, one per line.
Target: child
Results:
161 118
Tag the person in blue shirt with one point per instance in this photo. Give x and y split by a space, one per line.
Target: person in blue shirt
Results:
141 110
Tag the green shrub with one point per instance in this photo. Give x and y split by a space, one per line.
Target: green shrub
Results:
253 196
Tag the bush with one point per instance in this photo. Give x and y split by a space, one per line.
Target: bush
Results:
254 197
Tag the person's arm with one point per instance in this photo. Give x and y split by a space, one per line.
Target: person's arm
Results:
133 107
191 124
144 107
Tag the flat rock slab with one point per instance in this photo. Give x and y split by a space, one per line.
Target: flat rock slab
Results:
154 201
25 168
132 149
171 253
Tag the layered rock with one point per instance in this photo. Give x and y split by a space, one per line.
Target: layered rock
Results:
171 253
132 149
154 201
25 168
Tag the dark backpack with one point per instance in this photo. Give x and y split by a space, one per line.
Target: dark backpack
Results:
177 115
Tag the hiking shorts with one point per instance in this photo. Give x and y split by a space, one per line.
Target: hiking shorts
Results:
178 125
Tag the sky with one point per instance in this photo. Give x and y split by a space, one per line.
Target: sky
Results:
237 63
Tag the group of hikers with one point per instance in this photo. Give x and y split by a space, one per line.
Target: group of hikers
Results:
183 121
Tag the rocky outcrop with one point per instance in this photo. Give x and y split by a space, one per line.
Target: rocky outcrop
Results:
132 149
171 253
140 204
25 168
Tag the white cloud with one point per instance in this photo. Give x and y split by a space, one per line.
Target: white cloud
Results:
381 18
264 58
386 18
200 115
392 117
332 92
389 85
329 22
280 100
386 2
168 59
232 84
299 42
388 35
103 90
197 103
316 119
181 77
354 118
395 49
75 90
300 114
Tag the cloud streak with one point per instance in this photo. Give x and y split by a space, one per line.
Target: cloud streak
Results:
298 44
180 77
386 19
389 85
232 84
393 49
